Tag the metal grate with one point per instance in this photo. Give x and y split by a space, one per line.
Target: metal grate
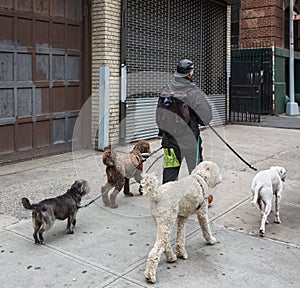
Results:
214 48
218 103
140 119
158 35
251 84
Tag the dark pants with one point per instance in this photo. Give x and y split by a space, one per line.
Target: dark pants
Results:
171 174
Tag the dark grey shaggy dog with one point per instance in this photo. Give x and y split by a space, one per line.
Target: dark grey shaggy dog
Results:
62 207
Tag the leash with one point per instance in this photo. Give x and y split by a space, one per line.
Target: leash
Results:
154 162
197 150
122 179
240 157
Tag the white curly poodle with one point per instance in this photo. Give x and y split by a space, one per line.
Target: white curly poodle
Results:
178 200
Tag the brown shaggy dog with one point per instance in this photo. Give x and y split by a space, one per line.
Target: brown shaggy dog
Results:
118 167
62 207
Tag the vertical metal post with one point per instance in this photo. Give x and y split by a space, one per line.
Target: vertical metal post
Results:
273 81
292 107
292 82
123 92
123 85
103 133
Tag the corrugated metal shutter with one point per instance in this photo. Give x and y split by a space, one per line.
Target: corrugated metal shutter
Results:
140 119
218 103
158 35
140 116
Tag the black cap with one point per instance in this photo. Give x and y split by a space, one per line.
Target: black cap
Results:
184 67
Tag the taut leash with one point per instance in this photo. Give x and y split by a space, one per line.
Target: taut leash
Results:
239 156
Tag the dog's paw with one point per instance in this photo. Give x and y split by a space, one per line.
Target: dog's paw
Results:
182 255
113 206
150 278
171 258
70 231
181 252
38 240
128 194
212 240
261 233
254 203
105 201
277 221
141 190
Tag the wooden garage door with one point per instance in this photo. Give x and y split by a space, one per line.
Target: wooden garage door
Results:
41 87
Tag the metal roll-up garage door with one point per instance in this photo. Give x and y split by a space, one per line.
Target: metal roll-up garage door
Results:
41 91
158 34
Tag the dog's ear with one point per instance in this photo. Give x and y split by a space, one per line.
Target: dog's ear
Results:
143 146
108 156
77 185
138 146
107 148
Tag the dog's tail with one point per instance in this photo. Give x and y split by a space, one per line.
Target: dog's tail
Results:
149 184
255 194
27 204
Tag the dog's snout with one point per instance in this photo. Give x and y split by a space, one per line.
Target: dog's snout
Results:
86 187
145 155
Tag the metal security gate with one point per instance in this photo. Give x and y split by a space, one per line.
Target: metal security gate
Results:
251 84
156 35
41 87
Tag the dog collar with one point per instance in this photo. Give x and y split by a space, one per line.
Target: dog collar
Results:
200 204
202 182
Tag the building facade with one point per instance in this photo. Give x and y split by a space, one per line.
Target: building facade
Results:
260 35
154 36
89 72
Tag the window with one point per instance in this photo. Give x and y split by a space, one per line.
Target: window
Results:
235 23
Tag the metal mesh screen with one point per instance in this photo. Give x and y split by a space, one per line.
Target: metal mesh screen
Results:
147 47
214 48
160 33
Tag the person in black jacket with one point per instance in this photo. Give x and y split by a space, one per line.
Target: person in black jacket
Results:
186 141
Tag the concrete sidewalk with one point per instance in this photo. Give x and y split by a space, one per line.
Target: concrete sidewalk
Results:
110 246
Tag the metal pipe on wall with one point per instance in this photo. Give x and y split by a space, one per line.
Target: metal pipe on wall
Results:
292 107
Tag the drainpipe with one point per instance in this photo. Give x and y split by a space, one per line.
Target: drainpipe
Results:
273 79
292 107
123 85
103 134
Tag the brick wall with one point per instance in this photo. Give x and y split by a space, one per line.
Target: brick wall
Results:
262 23
106 23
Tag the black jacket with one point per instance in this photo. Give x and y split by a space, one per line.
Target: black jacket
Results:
200 113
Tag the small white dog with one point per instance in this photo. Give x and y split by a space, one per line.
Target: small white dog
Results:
264 185
177 200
